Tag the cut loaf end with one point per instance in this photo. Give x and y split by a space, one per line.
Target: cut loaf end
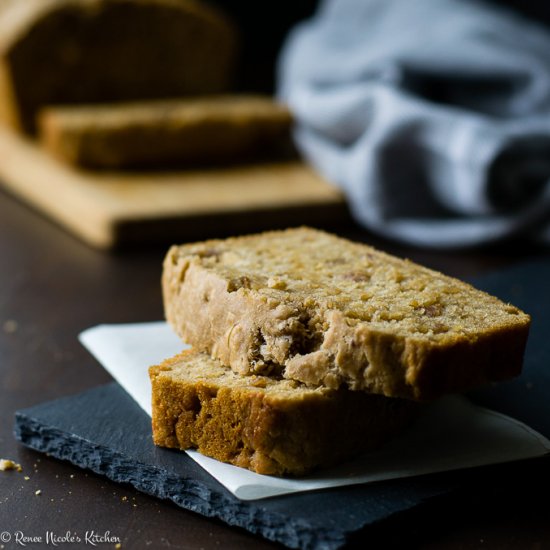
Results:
70 52
325 311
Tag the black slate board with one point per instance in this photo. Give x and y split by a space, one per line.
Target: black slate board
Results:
80 429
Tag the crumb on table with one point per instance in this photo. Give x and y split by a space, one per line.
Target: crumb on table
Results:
7 464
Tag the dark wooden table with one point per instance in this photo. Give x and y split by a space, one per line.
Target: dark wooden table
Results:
51 288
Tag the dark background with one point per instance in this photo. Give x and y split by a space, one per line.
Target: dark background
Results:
264 25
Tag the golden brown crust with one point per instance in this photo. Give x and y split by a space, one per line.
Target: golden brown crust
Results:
329 312
72 51
194 131
273 427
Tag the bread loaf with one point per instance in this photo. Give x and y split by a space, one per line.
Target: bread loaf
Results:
93 51
325 311
206 130
270 426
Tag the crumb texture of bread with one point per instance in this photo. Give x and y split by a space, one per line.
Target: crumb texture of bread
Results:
55 52
193 131
325 311
270 426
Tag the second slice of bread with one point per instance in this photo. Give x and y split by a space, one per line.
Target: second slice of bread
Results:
275 427
180 132
316 308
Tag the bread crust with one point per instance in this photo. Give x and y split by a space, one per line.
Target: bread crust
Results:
338 313
272 427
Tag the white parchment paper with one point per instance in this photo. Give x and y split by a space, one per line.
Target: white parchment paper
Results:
451 434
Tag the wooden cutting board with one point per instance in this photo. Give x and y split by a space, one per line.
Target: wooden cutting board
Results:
109 210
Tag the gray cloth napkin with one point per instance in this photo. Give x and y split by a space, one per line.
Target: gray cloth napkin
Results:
433 116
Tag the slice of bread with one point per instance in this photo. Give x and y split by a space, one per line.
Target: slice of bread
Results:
317 308
91 51
209 129
270 426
